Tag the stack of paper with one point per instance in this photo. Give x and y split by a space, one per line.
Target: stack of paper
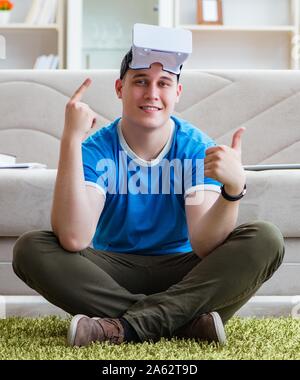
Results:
8 161
23 165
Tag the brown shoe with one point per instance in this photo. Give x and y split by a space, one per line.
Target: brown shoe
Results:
207 327
84 330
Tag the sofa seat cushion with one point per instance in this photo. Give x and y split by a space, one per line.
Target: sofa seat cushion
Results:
273 195
26 198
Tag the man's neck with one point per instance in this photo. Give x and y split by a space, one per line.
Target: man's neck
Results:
146 143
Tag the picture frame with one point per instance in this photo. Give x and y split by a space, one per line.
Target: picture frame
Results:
209 12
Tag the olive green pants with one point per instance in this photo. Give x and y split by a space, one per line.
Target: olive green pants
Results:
155 294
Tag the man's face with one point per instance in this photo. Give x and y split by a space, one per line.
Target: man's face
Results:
148 96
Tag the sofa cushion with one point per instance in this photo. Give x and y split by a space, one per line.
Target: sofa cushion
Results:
25 201
26 198
273 195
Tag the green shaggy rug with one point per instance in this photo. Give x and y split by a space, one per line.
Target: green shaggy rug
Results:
45 338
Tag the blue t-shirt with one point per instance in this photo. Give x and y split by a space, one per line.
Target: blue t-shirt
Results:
144 211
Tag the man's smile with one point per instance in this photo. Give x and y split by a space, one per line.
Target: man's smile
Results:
150 109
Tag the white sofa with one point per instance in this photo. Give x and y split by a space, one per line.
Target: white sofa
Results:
32 105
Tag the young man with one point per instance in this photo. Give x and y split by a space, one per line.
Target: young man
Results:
162 264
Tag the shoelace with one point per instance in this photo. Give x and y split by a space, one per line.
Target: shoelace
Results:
110 333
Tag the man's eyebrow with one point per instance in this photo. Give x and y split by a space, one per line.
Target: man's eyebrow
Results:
146 76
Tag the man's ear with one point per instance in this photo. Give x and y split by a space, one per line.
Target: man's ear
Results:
179 91
118 88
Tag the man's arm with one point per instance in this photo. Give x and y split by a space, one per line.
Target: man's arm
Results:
76 208
210 217
210 222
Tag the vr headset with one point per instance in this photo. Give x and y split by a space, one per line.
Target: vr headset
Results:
169 46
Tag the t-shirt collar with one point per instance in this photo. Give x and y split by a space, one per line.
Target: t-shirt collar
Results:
138 159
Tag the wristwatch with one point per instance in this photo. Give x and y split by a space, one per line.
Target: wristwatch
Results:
233 198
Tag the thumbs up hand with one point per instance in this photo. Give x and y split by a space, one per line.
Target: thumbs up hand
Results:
224 164
237 141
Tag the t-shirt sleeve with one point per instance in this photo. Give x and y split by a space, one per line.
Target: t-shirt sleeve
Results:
198 182
90 158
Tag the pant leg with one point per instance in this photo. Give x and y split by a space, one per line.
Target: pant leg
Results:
223 282
79 283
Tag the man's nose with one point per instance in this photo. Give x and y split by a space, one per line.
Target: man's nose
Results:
152 92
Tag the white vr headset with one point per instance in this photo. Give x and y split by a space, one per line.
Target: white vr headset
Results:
169 46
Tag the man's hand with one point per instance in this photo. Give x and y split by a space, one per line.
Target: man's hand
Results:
79 118
224 164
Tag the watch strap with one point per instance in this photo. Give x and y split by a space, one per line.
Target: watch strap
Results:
230 197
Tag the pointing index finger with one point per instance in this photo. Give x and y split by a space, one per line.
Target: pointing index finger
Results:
81 90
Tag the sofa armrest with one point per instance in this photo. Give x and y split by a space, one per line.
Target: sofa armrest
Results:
25 200
273 195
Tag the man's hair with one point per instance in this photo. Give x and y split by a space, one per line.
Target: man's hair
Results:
125 65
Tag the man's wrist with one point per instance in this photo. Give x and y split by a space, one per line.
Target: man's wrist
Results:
70 137
234 191
233 197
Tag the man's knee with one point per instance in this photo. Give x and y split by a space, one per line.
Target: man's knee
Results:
269 242
27 249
